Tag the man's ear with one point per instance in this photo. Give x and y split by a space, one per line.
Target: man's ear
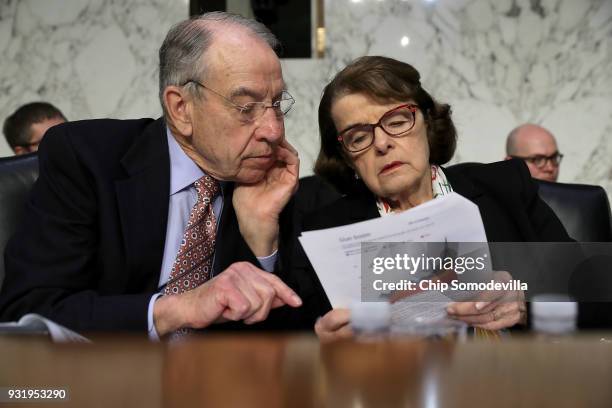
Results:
19 150
178 105
508 158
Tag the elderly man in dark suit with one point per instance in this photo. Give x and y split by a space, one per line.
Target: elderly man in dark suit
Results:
170 224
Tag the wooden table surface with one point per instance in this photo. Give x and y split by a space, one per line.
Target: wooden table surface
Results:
296 371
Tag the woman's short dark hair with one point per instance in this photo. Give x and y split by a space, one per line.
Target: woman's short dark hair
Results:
383 79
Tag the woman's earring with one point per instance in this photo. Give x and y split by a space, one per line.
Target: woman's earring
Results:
356 176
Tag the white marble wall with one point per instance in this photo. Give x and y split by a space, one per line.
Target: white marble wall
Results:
497 62
90 58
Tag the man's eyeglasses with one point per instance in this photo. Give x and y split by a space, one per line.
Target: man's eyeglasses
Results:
540 160
395 122
252 111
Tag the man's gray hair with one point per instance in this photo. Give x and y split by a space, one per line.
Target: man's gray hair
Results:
180 54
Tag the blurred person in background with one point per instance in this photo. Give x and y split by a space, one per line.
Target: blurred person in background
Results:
25 128
538 147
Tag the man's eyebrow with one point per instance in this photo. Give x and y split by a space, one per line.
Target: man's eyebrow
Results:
243 91
258 96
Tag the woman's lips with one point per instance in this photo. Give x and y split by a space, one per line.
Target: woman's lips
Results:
390 167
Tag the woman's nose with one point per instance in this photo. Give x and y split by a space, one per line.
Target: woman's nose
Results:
382 141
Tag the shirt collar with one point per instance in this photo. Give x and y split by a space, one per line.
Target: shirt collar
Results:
183 171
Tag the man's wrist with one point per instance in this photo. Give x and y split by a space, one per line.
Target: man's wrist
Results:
165 316
267 262
152 332
264 250
262 244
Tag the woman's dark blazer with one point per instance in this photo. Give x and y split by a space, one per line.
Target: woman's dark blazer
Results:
504 192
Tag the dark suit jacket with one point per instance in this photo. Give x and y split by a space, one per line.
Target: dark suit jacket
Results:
88 254
504 192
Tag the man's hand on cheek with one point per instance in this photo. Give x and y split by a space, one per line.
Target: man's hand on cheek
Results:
258 205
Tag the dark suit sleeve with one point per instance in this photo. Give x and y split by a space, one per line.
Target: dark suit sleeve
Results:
51 261
304 279
295 269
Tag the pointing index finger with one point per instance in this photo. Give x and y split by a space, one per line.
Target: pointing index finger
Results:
283 292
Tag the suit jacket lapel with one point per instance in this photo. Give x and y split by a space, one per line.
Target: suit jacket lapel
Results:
361 210
362 205
230 247
462 185
142 199
494 217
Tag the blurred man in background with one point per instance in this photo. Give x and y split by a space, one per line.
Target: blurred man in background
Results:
25 128
538 147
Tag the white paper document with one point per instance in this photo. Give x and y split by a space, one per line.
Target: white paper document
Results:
335 253
34 323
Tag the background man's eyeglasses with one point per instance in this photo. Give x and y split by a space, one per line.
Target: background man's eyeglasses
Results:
540 160
29 145
395 122
252 111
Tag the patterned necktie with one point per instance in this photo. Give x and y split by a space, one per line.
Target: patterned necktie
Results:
193 263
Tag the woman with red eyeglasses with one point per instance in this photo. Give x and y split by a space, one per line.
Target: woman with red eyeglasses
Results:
384 140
